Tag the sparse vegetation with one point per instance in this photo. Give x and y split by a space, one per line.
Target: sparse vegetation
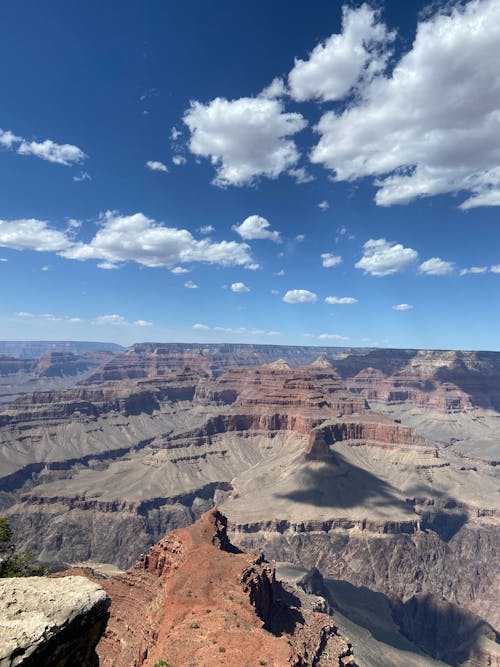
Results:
14 564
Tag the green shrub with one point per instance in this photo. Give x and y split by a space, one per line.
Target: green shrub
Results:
14 564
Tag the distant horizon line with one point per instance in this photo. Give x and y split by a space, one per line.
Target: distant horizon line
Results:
218 343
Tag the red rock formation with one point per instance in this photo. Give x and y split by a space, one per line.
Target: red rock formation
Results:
447 380
127 397
195 600
147 360
279 386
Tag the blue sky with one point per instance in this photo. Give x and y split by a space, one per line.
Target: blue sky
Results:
215 171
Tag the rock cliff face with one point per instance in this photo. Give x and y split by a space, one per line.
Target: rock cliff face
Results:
194 599
450 381
445 632
378 467
51 622
54 369
155 359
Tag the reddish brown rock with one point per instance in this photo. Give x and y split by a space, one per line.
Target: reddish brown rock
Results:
195 600
373 430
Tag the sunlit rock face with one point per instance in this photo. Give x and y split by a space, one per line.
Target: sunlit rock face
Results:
51 622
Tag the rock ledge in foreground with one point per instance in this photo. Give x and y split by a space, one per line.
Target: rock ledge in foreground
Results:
51 622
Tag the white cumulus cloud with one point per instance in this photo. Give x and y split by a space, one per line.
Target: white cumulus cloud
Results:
329 260
190 284
402 306
436 267
200 327
382 258
137 238
239 287
65 154
275 89
300 296
32 234
432 125
339 64
256 227
244 138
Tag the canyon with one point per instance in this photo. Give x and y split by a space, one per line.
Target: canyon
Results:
377 467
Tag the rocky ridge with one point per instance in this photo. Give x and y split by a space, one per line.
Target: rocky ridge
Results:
194 600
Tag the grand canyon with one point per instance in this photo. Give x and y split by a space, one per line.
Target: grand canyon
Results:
377 468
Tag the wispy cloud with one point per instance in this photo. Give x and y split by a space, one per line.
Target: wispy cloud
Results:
403 306
82 176
330 336
206 229
66 154
156 165
252 331
474 270
100 320
340 300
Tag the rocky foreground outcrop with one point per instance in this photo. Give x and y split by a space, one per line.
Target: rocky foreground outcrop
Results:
51 622
195 600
